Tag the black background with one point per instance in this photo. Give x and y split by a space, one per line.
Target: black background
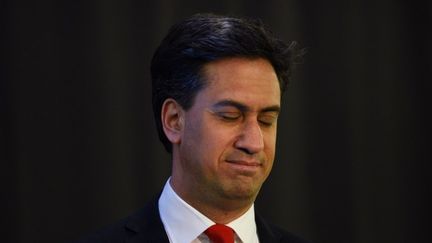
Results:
79 149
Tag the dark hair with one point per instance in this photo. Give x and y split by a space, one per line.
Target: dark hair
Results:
189 45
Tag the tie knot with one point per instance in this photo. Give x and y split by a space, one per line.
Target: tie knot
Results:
220 233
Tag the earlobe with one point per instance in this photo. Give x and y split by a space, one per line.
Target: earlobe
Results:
172 120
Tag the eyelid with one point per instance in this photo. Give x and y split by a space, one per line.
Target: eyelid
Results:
268 119
229 114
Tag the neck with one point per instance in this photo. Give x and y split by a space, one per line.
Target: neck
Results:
212 201
219 210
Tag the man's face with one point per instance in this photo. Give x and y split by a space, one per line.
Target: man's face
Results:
227 144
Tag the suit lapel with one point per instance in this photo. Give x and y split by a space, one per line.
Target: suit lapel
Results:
265 232
146 225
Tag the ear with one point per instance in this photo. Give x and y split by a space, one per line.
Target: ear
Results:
172 120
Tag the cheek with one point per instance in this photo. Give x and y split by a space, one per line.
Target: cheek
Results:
270 143
205 138
215 140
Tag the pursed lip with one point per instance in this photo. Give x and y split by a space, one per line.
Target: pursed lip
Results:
244 167
244 162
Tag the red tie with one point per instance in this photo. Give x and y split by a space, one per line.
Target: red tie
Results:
220 233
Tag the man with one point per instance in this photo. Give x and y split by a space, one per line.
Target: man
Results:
217 84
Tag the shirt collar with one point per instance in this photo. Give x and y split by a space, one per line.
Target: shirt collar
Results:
245 226
186 223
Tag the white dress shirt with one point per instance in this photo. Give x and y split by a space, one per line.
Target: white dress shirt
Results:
184 224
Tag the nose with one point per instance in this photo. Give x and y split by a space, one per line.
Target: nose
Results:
251 138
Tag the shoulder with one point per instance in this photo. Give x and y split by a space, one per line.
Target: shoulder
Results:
287 237
142 226
268 232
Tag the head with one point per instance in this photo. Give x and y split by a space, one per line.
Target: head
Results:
217 85
177 64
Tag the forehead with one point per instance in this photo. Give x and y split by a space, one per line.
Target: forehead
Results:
242 79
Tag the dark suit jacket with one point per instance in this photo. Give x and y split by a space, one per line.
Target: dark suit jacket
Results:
146 226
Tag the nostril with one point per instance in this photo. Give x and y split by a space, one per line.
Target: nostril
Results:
247 151
250 140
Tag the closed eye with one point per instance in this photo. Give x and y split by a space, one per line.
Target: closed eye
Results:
229 116
267 120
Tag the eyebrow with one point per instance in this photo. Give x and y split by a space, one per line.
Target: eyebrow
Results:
243 107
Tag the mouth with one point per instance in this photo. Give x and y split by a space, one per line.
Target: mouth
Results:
244 162
244 167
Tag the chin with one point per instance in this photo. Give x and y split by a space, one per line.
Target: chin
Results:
242 192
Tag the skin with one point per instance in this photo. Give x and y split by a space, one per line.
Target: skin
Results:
224 145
